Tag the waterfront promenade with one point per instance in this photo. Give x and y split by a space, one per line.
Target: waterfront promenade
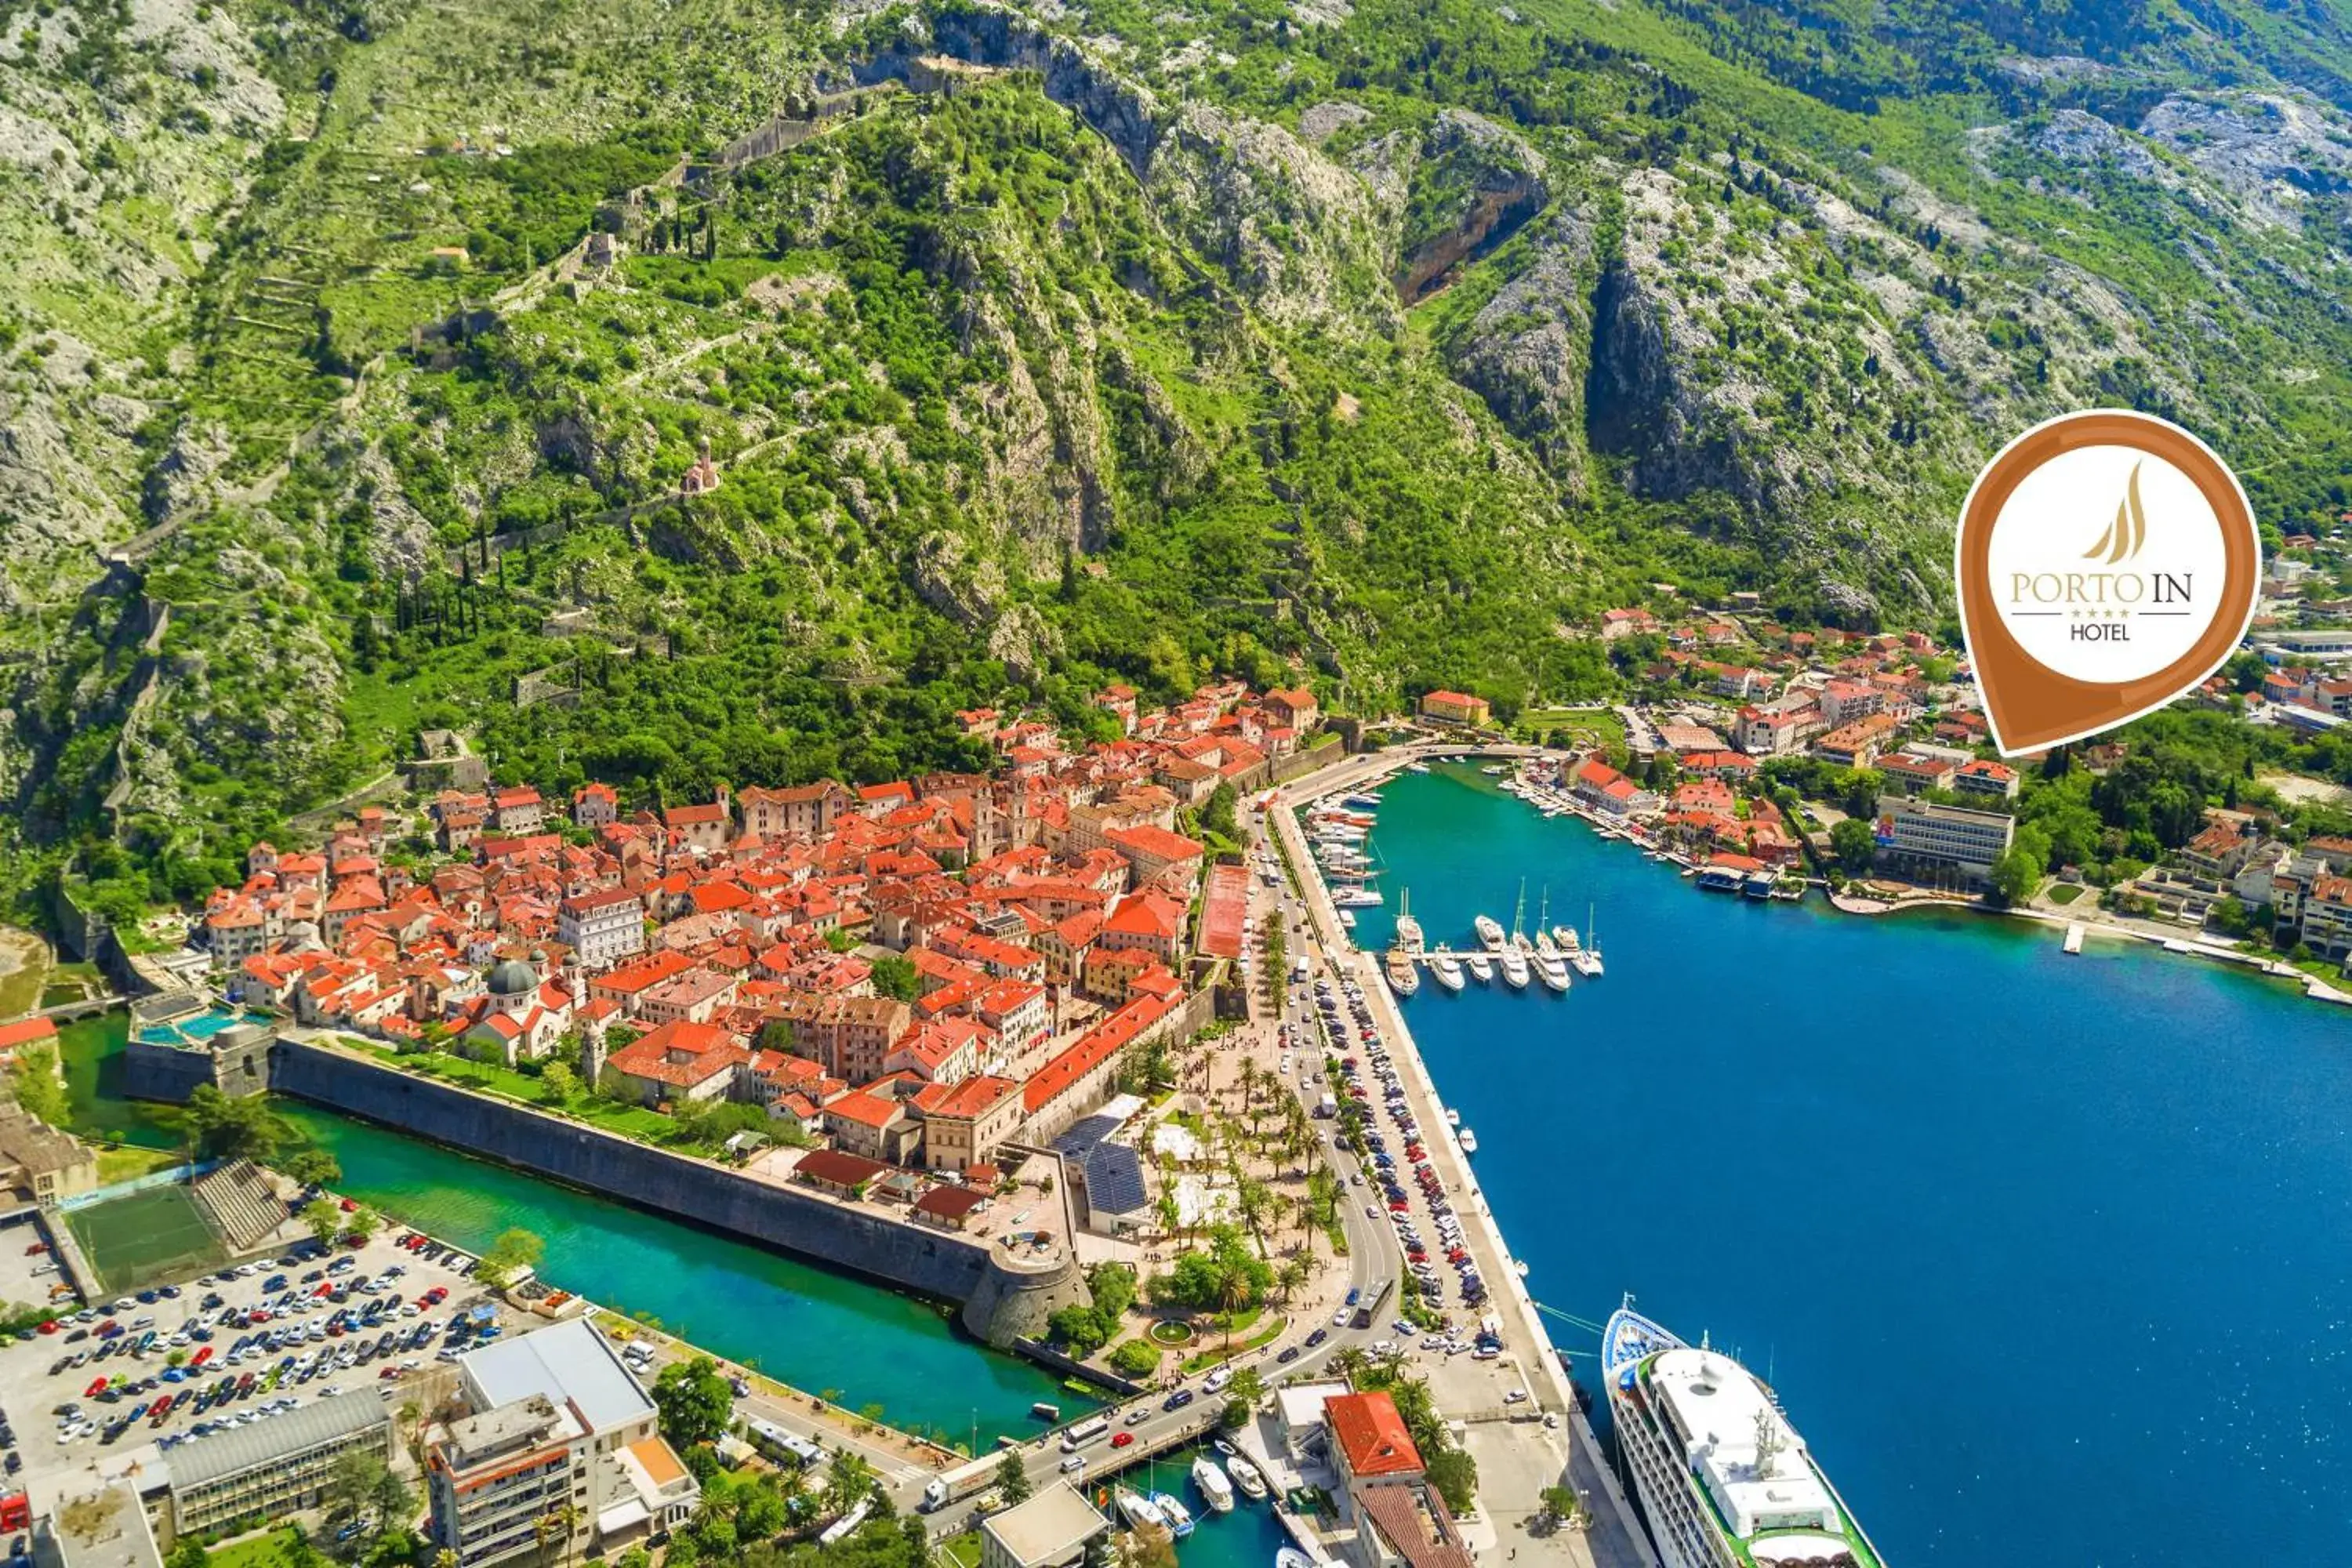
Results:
1516 1460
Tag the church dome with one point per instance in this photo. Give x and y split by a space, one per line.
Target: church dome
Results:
514 978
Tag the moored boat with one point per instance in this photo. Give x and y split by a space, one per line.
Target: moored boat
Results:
1357 899
1468 1139
1172 1510
1515 968
1553 970
1722 1476
1291 1557
1139 1511
1404 974
1446 970
1481 967
1246 1476
1215 1490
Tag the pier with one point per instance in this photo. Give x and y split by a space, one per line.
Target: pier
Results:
1616 1539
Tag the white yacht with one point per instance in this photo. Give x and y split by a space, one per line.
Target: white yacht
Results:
1586 959
1481 967
1404 974
1139 1511
1723 1479
1468 1139
1214 1488
1551 968
1245 1475
1490 932
1515 968
1446 970
1357 898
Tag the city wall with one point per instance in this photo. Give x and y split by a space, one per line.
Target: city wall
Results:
1003 1300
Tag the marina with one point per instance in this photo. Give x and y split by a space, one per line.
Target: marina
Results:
2197 1217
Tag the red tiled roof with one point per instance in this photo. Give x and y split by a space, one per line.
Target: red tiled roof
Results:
1372 1434
1090 1050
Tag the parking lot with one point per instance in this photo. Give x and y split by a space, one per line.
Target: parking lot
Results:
118 1382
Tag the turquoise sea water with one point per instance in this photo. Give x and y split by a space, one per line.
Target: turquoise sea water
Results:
815 1329
2048 1257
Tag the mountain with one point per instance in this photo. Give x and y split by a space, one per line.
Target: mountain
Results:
359 356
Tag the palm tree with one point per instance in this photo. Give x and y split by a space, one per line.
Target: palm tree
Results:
1292 1275
543 1530
1350 1363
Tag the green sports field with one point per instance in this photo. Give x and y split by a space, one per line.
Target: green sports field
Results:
150 1236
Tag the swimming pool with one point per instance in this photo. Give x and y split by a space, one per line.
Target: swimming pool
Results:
197 1028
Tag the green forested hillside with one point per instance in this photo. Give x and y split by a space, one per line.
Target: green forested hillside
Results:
1370 343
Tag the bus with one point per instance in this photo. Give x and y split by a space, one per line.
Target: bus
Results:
1085 1432
840 1527
781 1446
1368 1304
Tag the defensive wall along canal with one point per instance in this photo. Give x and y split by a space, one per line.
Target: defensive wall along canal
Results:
1004 1298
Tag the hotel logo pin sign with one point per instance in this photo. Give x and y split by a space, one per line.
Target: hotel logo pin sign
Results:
2107 562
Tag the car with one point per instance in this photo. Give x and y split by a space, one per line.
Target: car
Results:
1372 1212
1289 1354
1076 1465
1216 1380
1515 1396
1383 1347
1318 1337
1178 1400
1139 1415
1121 1440
1340 1319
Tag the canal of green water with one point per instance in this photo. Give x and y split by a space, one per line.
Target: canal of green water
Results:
863 1346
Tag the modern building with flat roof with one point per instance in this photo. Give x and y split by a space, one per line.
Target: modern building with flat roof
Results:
103 1529
1049 1530
556 1426
272 1468
1916 835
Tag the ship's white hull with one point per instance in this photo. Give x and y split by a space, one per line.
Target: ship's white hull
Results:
1685 1525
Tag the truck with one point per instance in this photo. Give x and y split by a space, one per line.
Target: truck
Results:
965 1480
1326 1107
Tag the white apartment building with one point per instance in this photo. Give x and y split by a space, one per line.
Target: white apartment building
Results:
602 928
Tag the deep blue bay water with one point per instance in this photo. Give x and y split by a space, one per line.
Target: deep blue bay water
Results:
2047 1257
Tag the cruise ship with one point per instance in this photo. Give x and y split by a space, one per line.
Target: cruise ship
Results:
1724 1480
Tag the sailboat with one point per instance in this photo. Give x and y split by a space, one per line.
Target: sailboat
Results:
1586 958
1512 956
1408 930
1550 967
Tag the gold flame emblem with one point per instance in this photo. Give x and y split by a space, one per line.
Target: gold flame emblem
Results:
2124 536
